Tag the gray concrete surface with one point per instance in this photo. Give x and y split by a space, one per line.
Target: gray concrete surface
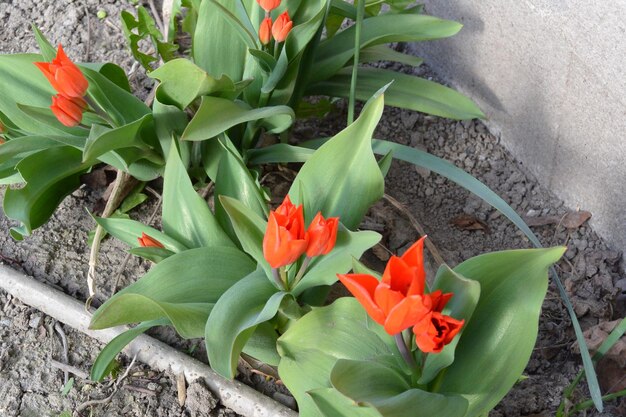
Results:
550 75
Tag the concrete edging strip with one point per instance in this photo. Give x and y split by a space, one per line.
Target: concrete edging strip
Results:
238 397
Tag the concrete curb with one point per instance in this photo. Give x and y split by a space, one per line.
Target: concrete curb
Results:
233 394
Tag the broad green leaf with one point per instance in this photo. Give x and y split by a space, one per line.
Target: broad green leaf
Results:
245 31
262 344
324 269
107 355
388 390
102 140
330 402
248 303
384 53
25 145
169 123
153 254
461 307
217 47
216 115
50 176
128 231
182 82
111 71
182 288
120 105
45 47
334 53
405 91
186 216
280 153
499 338
250 229
341 166
235 180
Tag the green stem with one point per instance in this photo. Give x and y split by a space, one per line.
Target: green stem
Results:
360 13
589 403
301 271
99 111
277 280
405 352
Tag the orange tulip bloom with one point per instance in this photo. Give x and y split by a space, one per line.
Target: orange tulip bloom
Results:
146 241
265 31
397 302
68 110
268 5
284 241
64 75
435 331
281 27
321 235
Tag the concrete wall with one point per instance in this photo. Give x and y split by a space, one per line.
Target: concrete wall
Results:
551 77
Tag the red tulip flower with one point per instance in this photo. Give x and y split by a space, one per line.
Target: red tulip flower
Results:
68 110
268 5
435 331
284 241
281 27
146 241
265 31
321 235
396 302
64 75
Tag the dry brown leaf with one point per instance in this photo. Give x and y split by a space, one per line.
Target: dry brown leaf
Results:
469 222
575 219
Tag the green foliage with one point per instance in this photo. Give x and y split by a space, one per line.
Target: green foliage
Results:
143 28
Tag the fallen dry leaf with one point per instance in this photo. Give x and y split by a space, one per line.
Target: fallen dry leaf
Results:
572 220
469 222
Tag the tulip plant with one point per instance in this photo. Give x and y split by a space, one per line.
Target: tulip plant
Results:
254 279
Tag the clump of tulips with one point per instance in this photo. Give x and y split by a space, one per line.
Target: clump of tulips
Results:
278 29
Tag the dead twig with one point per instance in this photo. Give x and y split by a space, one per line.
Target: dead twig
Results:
157 16
63 338
140 389
181 388
69 369
429 244
88 42
124 183
120 270
116 388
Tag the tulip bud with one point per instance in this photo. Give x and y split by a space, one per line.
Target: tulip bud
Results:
68 110
281 27
321 235
284 241
265 31
64 75
268 5
146 241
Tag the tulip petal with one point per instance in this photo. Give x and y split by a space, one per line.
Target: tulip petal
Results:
386 298
407 313
362 287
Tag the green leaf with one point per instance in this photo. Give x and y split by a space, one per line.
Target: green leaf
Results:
330 402
153 254
216 115
262 344
102 139
182 82
278 153
334 53
461 307
235 180
26 145
339 167
67 387
186 216
45 47
45 187
384 53
112 72
248 303
388 390
102 364
498 340
324 269
250 229
406 91
217 47
246 32
182 288
128 231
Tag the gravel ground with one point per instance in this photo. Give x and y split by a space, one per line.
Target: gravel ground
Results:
58 254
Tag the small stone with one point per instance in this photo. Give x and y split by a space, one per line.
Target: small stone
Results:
34 321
